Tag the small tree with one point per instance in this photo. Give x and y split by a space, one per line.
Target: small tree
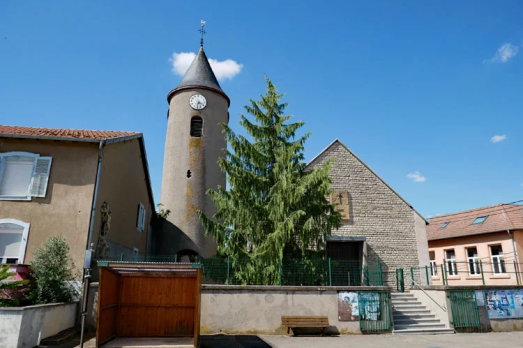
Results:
7 286
275 207
53 273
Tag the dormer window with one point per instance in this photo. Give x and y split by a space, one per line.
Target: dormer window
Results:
196 126
23 175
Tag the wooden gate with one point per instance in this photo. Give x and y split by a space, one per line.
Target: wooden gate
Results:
148 301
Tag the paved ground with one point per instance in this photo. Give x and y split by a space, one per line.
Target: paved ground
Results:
483 340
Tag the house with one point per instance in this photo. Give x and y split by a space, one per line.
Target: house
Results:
478 246
61 182
377 223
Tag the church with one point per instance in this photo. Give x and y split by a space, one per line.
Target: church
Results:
377 223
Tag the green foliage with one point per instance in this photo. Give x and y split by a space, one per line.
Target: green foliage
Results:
162 213
6 286
275 207
53 273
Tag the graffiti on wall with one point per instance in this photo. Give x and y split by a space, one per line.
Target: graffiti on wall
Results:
348 306
503 304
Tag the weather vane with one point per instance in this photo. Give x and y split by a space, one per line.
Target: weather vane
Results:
202 31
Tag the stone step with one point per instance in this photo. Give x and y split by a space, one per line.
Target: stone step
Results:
60 338
408 306
415 317
404 299
407 320
419 326
411 311
401 294
422 331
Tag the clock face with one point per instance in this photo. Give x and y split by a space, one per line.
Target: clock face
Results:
197 102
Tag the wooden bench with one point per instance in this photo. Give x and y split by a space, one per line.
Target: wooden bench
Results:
305 321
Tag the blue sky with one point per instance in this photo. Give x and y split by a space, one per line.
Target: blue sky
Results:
412 87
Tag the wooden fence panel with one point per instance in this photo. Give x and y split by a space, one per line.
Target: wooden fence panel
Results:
157 306
107 306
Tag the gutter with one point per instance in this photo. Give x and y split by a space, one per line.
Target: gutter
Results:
95 195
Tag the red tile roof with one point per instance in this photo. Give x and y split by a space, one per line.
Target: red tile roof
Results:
500 217
61 133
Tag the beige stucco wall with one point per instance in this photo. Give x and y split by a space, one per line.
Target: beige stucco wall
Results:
65 210
123 186
251 311
482 243
183 195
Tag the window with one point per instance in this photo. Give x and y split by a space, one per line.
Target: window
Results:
13 240
473 261
433 265
196 126
23 175
136 253
450 262
444 225
498 261
479 220
140 219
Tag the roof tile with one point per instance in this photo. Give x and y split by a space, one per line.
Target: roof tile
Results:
62 133
500 217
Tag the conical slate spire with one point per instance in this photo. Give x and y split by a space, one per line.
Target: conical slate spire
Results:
200 73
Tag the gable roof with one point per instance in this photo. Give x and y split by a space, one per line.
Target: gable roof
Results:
80 135
337 141
500 217
63 134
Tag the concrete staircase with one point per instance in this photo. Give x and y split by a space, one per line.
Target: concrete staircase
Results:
412 317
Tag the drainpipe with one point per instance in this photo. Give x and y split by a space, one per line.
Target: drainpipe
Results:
515 252
95 194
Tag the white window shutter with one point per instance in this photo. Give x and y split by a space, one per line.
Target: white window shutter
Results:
40 177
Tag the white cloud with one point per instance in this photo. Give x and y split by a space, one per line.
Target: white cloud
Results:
498 138
225 69
417 177
504 53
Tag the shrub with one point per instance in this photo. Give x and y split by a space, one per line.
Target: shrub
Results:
8 287
53 273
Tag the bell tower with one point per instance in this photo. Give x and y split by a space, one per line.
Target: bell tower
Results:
193 145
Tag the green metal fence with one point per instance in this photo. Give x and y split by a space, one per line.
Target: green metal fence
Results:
374 311
463 308
474 269
292 272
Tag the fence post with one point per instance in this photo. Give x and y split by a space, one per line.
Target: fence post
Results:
175 258
380 275
121 257
443 274
412 277
481 269
228 269
330 273
427 274
367 275
279 270
446 274
516 272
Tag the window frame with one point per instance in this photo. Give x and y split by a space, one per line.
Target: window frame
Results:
433 264
194 118
474 260
479 217
3 157
23 242
136 254
500 259
444 225
140 219
452 271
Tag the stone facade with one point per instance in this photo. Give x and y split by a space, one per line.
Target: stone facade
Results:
376 213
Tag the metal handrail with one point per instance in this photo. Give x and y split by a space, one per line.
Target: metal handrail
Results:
444 308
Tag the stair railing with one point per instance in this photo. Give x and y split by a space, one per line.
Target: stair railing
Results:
413 282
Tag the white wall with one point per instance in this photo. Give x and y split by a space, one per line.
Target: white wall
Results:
22 327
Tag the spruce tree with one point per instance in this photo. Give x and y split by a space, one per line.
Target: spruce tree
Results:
274 208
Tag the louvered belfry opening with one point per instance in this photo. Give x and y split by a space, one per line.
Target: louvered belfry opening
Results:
196 126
